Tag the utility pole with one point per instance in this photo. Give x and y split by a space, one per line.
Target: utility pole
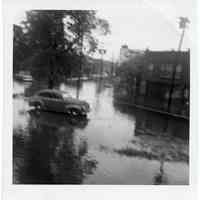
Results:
102 52
80 65
112 69
182 25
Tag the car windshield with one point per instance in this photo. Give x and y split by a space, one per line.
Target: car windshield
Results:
45 94
52 95
57 96
66 95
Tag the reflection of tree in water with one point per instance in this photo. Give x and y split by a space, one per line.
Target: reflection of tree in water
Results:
160 177
99 89
51 154
79 86
99 86
153 123
149 141
18 153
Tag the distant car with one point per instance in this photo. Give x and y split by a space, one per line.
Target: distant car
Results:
24 76
57 101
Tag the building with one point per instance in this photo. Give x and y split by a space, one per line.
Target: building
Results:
159 66
127 54
157 80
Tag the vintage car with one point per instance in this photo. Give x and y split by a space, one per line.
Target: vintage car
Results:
57 101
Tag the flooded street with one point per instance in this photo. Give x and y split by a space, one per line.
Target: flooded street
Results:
116 144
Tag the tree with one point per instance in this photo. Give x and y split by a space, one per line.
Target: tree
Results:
130 74
183 21
59 39
21 49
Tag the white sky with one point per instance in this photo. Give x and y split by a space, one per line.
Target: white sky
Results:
152 24
144 23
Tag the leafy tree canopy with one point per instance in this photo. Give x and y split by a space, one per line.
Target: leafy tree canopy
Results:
52 42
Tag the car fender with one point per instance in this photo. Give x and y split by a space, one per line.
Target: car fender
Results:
73 106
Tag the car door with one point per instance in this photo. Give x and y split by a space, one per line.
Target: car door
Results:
48 101
58 104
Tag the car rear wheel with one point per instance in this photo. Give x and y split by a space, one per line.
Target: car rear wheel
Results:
74 112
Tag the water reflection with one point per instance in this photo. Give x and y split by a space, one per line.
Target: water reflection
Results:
160 177
51 154
156 137
112 146
153 123
99 89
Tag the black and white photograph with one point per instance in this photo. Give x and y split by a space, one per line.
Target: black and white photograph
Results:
102 96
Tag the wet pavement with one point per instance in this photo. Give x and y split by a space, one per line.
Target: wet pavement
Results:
116 144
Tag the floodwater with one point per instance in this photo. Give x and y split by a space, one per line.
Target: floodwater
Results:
116 144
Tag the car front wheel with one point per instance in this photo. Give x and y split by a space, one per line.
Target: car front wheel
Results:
38 105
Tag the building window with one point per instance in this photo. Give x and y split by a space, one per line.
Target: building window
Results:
151 67
186 93
179 70
143 87
169 68
166 70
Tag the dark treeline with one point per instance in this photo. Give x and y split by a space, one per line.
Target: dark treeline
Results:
51 44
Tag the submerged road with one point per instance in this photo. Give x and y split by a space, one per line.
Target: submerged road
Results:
117 144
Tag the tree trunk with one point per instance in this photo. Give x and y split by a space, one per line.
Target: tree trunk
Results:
50 83
52 72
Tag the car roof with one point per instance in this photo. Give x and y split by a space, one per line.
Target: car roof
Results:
50 91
